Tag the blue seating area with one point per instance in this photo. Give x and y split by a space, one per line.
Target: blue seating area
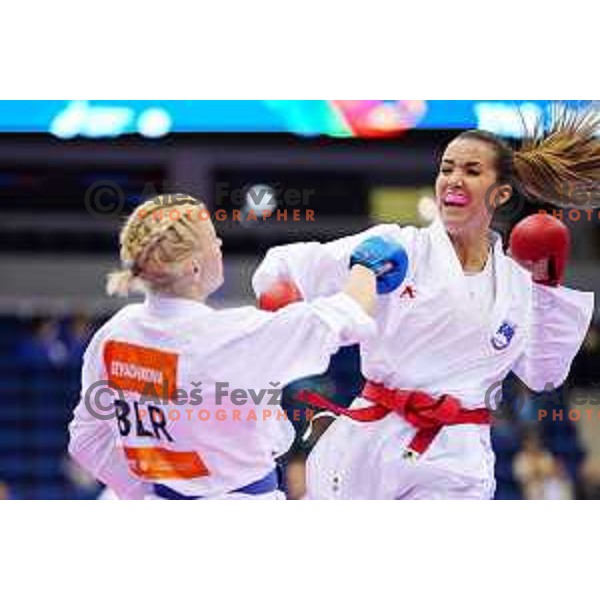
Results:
36 402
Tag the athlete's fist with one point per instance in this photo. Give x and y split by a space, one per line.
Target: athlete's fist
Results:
541 243
277 296
386 258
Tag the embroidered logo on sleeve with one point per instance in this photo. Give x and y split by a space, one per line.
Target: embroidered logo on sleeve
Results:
408 292
502 338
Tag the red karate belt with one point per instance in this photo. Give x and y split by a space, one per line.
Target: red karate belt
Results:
428 415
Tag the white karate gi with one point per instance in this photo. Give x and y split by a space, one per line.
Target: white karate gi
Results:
185 344
431 339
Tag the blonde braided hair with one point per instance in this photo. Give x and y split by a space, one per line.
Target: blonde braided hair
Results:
156 237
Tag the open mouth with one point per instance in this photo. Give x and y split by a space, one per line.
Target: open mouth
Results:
456 199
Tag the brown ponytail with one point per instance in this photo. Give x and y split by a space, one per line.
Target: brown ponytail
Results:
562 165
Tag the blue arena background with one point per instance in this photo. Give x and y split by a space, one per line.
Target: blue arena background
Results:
303 117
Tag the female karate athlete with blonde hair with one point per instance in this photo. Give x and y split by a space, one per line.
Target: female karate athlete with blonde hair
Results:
466 315
194 391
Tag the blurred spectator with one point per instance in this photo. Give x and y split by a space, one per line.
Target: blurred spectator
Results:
589 479
540 475
584 372
77 335
4 491
558 486
43 348
522 403
295 476
83 484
